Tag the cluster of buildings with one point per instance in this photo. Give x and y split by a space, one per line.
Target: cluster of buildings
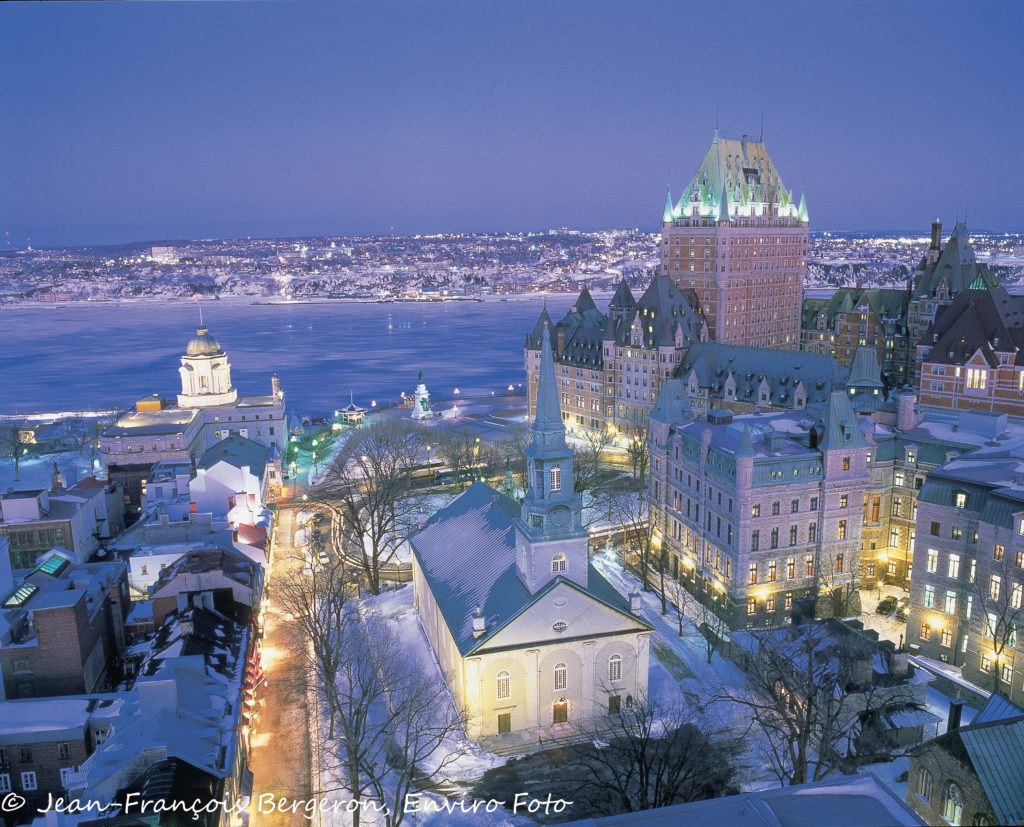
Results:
821 447
130 634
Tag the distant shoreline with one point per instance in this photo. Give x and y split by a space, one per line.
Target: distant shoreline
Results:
265 301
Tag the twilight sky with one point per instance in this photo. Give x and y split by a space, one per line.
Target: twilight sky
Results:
135 121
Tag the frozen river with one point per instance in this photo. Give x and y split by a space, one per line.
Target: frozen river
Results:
71 357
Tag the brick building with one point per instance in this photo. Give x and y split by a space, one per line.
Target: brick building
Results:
61 627
610 368
78 519
737 237
42 742
970 355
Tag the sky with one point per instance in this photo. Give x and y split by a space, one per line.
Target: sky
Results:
142 121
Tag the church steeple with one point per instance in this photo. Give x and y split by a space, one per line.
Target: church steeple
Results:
551 540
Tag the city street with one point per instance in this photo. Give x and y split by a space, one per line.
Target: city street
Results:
280 747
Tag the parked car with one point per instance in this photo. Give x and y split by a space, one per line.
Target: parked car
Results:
887 605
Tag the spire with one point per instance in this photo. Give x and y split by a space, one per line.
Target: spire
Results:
623 297
548 420
543 321
746 446
723 205
666 217
801 212
837 427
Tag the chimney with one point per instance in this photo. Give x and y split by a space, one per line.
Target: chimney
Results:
936 235
479 623
275 386
906 416
956 711
421 519
634 603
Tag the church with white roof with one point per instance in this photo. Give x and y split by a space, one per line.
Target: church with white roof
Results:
531 638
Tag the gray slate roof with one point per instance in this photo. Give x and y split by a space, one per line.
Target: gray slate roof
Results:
986 320
997 752
467 553
782 369
238 451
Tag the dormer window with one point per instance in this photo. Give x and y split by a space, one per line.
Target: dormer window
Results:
960 499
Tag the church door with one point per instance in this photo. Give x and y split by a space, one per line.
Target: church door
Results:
561 711
504 722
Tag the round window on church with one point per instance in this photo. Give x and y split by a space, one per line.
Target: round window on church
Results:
560 626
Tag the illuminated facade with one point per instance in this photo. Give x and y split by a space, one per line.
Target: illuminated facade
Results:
610 368
759 511
738 238
968 585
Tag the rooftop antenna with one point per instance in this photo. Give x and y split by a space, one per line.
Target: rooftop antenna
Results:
716 120
760 139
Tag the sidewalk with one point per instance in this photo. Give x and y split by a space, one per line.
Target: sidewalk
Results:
280 746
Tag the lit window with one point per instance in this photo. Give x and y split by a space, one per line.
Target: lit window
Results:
929 596
561 675
933 560
954 566
959 499
924 784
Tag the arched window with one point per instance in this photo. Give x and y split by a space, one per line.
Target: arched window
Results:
561 675
924 784
504 685
556 477
953 809
842 530
615 668
558 562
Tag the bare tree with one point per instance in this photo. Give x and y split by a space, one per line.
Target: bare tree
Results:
514 447
369 493
12 446
320 608
702 609
639 453
422 721
393 723
649 754
95 426
998 592
628 508
838 587
588 461
810 693
460 449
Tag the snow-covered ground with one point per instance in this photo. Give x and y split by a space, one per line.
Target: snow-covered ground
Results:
700 681
395 606
35 470
888 626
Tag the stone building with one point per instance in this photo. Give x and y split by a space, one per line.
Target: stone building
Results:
609 368
738 238
531 638
967 589
972 774
209 409
760 510
892 322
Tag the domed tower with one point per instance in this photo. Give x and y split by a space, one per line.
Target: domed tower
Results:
205 374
